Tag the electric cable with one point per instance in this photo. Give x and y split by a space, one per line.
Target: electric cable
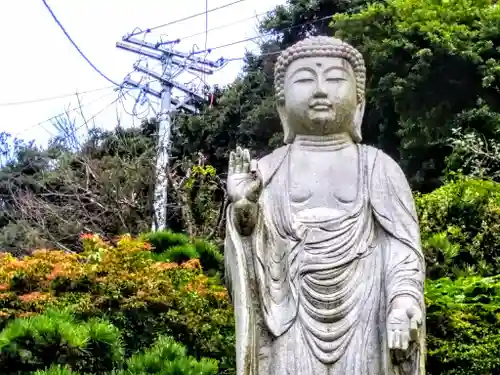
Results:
223 26
186 18
31 101
76 46
101 111
61 114
230 44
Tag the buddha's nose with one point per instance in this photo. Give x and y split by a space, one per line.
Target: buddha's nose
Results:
320 91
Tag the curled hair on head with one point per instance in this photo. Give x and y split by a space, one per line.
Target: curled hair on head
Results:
319 46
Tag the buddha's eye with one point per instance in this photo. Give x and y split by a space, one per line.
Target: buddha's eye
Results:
336 79
304 80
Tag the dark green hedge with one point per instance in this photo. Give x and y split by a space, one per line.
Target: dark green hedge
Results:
460 228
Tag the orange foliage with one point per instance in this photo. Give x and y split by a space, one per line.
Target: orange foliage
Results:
125 271
35 297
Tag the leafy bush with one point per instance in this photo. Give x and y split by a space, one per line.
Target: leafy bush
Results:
460 228
163 240
56 370
176 247
141 296
56 338
463 325
166 357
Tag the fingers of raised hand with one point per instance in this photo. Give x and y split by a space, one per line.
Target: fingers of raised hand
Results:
239 161
232 162
246 161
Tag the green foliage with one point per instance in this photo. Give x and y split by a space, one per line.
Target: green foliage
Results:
473 154
463 325
56 338
176 247
460 236
460 228
166 357
56 370
211 258
163 240
433 66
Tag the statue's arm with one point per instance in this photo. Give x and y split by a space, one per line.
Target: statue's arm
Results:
244 185
394 209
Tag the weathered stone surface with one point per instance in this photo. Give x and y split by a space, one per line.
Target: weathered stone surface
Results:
323 252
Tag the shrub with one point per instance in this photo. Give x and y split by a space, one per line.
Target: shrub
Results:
209 254
143 297
175 247
56 338
460 228
56 370
463 326
166 357
163 240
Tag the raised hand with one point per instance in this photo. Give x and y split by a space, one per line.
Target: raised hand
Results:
403 324
242 183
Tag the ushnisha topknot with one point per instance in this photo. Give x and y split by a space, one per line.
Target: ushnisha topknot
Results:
319 46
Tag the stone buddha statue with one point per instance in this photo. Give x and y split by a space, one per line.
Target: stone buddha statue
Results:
323 254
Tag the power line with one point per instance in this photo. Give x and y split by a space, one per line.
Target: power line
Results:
101 111
61 114
185 18
230 44
8 104
75 45
223 26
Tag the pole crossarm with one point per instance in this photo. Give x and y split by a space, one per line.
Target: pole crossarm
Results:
157 47
166 81
157 94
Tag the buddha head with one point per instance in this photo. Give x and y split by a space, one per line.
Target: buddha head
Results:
320 88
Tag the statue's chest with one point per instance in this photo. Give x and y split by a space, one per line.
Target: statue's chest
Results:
322 179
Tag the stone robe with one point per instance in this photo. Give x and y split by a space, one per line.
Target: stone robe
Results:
312 286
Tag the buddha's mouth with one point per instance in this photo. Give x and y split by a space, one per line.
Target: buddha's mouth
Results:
320 105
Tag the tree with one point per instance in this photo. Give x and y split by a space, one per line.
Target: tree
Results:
432 66
51 196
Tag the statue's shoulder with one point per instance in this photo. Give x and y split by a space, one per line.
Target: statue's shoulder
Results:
379 160
385 171
269 164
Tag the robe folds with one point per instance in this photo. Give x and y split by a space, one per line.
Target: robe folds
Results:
312 288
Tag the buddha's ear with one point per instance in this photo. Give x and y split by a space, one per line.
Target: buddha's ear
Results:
356 135
288 133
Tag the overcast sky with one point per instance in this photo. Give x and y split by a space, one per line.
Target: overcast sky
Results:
39 62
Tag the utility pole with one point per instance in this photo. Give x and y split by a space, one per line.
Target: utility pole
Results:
169 59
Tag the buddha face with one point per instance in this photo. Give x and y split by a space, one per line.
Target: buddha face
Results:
320 96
